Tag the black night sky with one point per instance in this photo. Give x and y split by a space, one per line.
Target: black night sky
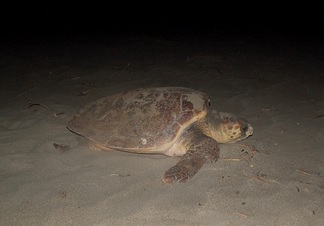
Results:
27 21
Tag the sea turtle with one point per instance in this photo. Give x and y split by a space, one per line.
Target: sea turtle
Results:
173 121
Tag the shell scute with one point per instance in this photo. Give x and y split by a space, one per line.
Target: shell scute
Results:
144 120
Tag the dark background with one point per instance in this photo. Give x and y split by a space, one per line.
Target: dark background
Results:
49 19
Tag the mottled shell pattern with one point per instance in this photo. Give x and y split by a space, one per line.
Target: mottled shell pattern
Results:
144 120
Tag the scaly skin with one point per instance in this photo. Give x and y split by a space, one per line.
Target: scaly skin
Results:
206 150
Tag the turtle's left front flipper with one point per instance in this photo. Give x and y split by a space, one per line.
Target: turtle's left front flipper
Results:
206 151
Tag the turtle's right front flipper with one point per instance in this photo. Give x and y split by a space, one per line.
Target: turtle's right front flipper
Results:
206 151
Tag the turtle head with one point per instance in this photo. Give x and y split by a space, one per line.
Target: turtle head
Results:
227 127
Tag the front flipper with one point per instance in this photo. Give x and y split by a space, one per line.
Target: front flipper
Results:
206 151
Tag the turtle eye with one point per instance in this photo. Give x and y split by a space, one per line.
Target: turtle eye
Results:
244 128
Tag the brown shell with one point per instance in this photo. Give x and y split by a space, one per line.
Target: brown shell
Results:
144 120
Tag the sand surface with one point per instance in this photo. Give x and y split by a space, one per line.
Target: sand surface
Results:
276 177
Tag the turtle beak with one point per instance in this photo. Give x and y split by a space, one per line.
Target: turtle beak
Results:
248 130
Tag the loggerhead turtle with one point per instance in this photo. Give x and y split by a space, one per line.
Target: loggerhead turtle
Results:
173 121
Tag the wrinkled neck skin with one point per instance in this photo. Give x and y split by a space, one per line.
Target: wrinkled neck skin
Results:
211 127
197 135
192 136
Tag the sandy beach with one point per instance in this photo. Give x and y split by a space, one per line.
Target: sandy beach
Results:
50 177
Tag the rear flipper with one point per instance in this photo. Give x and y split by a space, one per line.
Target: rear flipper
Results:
190 163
